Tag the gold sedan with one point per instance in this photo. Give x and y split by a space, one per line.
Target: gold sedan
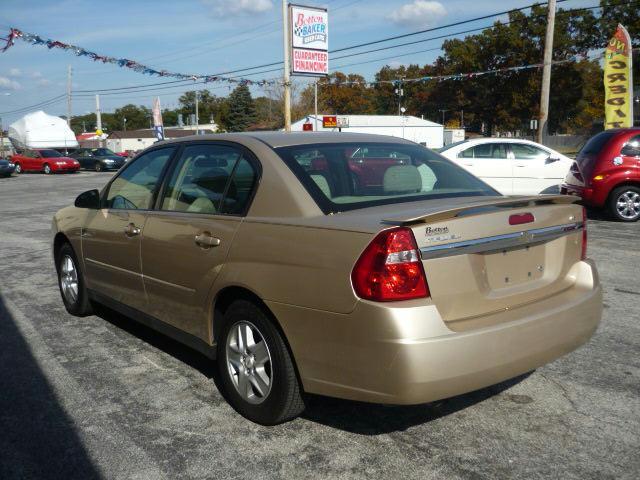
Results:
356 266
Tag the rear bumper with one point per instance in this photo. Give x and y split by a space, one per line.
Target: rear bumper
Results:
403 353
589 196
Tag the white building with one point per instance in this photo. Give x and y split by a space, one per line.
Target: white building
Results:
134 140
424 132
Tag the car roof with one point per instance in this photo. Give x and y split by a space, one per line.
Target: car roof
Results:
286 139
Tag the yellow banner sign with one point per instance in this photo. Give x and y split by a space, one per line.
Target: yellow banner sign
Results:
618 82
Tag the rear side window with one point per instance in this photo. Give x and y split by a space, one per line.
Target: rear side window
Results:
339 179
597 143
485 150
210 179
134 188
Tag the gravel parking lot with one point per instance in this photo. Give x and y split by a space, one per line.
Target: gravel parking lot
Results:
102 397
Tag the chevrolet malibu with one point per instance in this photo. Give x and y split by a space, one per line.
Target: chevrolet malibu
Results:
265 252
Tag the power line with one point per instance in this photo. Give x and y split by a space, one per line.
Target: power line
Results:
351 47
440 37
39 104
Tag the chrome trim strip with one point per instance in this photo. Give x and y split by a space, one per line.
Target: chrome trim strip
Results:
500 242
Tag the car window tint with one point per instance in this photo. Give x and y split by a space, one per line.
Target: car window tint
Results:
340 181
134 188
484 150
202 181
468 153
240 188
523 151
596 143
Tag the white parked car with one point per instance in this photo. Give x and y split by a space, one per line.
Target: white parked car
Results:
511 166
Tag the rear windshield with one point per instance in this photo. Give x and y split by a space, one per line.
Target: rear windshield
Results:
50 154
348 176
595 144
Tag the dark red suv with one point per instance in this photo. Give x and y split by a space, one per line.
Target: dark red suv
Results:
606 173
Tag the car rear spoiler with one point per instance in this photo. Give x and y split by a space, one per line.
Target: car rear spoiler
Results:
482 207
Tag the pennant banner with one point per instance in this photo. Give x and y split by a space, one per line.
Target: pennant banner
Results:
121 62
618 81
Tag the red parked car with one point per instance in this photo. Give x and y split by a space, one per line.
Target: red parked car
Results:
44 160
606 173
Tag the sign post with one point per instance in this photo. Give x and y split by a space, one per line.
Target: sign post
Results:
286 27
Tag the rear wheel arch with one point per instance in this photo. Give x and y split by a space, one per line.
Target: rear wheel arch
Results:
227 296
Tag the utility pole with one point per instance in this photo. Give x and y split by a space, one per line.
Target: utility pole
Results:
315 105
462 118
197 118
1 140
98 120
400 92
286 78
442 110
69 95
546 71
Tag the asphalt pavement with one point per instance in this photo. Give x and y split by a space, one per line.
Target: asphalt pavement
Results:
103 397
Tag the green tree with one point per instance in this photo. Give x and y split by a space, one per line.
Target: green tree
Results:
242 112
136 117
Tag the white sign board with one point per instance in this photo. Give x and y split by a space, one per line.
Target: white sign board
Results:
309 27
342 122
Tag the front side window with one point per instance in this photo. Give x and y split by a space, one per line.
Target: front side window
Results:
134 188
210 179
485 150
522 151
409 173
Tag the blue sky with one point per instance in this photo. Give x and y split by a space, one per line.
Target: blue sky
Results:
200 37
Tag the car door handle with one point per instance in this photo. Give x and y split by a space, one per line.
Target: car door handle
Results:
206 240
131 230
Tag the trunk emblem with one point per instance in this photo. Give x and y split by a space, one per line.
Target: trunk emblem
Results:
439 234
520 218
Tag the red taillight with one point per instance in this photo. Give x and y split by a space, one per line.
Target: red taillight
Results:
584 234
390 269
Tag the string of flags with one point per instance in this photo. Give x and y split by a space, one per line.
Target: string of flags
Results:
457 76
140 68
16 34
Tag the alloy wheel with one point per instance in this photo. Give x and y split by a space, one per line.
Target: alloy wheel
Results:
249 362
69 279
18 168
47 169
628 205
98 167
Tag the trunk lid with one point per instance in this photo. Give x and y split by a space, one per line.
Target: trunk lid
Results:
477 263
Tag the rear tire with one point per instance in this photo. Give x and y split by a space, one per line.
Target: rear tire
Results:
624 203
71 283
47 169
256 370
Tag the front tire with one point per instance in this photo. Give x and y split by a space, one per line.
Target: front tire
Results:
624 203
18 169
47 169
71 283
256 370
98 167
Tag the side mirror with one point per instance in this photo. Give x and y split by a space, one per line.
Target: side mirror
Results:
89 199
551 160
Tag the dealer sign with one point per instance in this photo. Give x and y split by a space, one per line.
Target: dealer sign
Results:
309 42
